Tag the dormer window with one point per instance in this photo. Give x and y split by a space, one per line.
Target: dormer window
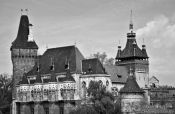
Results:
119 76
51 68
90 69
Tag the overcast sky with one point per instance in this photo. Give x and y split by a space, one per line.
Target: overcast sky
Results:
95 26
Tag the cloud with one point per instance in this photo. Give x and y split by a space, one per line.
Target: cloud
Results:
160 39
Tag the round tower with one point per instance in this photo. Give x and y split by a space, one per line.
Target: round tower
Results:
132 96
23 51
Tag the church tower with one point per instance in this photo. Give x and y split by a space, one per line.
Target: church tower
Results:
132 57
23 51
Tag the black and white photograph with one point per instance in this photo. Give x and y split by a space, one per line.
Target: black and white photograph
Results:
87 56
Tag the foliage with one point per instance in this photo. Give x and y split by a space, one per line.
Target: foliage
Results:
100 101
103 58
84 109
5 92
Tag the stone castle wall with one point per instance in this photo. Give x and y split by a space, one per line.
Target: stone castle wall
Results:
23 61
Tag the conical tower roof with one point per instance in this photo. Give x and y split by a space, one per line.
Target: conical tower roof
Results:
21 40
131 49
131 86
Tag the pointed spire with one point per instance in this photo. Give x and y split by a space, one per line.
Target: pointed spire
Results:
131 86
131 34
21 40
131 23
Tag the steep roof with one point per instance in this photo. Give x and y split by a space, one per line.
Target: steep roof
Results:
92 66
131 50
131 86
119 74
21 40
60 55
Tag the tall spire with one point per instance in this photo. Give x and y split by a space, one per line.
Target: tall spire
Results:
131 34
131 23
23 34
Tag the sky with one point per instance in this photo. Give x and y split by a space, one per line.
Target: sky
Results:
95 26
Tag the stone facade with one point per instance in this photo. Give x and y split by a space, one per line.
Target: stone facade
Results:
23 61
131 103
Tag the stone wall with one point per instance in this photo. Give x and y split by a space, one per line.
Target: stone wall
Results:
131 103
23 60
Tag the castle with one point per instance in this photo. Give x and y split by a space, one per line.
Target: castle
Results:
55 82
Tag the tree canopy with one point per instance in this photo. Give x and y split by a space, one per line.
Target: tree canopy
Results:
100 101
5 93
103 58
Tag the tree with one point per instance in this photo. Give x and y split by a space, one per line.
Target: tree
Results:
100 100
5 93
103 58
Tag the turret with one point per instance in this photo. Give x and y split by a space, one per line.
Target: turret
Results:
135 57
23 51
131 95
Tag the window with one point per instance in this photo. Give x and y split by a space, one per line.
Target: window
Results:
46 109
119 76
107 83
61 110
101 83
32 110
83 84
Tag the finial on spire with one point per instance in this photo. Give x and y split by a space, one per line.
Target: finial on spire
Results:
21 11
26 11
131 23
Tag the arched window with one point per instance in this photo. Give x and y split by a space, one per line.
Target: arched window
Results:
100 82
83 84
